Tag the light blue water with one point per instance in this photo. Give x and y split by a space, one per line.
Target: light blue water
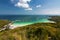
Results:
19 23
22 20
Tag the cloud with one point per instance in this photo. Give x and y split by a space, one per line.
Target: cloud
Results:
38 6
49 11
29 9
23 3
52 11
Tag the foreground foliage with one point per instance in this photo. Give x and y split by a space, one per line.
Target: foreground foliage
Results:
3 23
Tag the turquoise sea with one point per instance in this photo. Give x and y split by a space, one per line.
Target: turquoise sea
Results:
23 20
19 23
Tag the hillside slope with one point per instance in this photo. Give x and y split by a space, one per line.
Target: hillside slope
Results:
38 31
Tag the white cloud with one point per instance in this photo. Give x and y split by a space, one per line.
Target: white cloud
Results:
38 6
49 12
29 9
52 11
23 3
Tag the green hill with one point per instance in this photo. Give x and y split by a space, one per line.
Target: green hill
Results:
38 31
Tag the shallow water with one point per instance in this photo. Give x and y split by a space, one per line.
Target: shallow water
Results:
19 23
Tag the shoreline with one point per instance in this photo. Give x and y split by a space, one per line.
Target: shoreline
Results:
15 25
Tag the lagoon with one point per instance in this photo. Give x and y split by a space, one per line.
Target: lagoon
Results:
19 23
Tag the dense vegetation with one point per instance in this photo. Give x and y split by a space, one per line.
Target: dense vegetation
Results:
56 19
37 31
3 23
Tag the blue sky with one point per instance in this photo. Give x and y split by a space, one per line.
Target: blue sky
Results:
29 7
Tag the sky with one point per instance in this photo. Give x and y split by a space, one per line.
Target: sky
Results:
29 7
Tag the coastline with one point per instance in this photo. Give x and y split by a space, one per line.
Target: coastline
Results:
15 25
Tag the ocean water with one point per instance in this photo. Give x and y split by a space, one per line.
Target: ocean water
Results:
23 20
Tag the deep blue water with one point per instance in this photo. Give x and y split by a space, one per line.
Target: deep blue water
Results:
23 18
